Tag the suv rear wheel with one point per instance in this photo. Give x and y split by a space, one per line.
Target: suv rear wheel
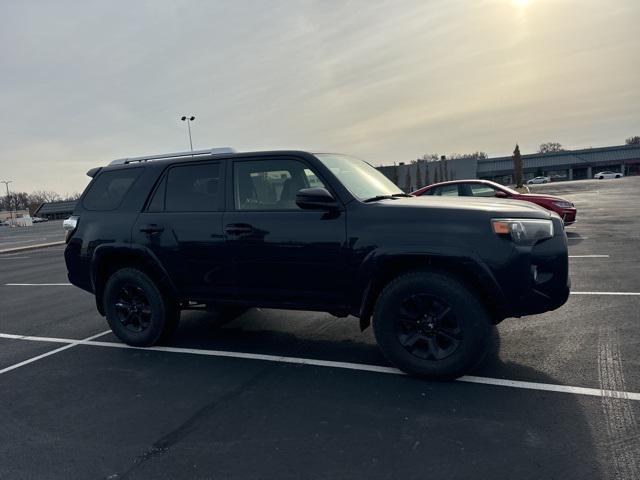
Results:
137 311
431 325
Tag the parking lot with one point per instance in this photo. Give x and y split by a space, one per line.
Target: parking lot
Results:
281 394
37 234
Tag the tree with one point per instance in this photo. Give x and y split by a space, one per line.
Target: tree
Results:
517 166
635 140
408 179
550 147
477 155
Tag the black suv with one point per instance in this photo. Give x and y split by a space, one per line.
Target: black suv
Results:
152 236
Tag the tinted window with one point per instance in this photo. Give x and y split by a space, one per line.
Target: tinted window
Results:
109 189
447 191
481 190
193 188
270 184
157 202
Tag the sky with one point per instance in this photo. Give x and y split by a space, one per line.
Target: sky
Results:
84 82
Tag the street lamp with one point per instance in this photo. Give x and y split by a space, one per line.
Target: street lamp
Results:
189 119
6 184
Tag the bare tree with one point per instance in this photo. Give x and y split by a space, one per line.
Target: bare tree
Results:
477 155
517 166
550 147
635 140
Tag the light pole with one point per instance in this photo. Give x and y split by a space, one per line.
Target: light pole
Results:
6 184
189 119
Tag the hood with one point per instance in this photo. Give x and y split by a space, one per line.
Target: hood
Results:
541 196
492 206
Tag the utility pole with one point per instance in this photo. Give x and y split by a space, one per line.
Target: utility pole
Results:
189 119
6 184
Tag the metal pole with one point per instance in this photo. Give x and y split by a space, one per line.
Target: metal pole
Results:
6 184
189 127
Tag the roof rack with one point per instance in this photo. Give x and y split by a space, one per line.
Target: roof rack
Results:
190 154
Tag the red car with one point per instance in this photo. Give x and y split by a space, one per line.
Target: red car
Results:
485 188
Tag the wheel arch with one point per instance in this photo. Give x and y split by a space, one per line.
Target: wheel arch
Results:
109 259
468 271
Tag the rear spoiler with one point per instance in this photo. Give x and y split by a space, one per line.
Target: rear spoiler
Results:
94 171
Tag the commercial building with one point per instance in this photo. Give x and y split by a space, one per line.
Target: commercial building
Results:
55 210
565 165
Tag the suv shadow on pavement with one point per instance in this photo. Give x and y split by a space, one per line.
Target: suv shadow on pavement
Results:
455 429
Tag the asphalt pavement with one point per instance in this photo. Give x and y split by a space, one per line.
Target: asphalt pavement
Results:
37 234
240 402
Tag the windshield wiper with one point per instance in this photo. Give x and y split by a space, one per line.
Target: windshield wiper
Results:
396 195
379 197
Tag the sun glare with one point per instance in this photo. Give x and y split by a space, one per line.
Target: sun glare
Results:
521 3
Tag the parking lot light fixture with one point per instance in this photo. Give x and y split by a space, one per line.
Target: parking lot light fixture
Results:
189 119
6 184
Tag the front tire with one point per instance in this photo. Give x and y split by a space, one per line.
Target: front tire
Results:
429 324
136 310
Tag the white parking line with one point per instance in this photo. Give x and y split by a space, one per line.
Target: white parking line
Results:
36 284
594 392
72 343
606 293
588 256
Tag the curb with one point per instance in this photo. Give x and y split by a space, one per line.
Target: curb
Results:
32 247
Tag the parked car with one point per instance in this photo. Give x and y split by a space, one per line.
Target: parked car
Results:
608 174
152 236
485 188
536 180
39 219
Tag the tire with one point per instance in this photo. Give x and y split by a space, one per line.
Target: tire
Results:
429 324
137 311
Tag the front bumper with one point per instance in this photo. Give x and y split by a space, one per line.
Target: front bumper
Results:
543 277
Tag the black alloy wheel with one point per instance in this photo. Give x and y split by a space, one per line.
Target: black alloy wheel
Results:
427 327
133 308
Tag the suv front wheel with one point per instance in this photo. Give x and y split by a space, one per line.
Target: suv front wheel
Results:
137 311
429 324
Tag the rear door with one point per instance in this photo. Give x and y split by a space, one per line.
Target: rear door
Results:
182 226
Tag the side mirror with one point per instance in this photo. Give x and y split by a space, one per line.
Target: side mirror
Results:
315 199
501 194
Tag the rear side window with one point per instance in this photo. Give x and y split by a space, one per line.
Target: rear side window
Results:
109 189
192 188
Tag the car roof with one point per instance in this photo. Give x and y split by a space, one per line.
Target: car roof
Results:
197 155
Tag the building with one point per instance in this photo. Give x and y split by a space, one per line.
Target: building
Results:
55 210
565 165
12 214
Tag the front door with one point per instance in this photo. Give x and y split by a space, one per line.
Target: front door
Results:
282 254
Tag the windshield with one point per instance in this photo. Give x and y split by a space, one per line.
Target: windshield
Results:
360 178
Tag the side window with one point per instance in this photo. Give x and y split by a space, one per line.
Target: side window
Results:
109 189
192 188
481 190
447 191
270 184
157 201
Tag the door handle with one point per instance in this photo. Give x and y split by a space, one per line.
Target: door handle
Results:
152 228
238 229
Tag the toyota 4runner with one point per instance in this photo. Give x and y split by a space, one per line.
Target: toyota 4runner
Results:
226 231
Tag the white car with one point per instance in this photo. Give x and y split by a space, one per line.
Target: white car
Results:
607 174
538 180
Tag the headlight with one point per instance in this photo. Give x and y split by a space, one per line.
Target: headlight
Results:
563 204
523 231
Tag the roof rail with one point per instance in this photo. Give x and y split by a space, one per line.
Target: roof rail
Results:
191 154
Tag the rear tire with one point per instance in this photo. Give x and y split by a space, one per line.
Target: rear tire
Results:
429 324
137 311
